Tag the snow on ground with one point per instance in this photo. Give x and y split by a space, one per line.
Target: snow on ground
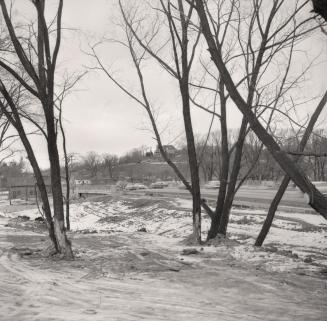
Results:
296 241
314 219
183 203
121 274
31 213
122 216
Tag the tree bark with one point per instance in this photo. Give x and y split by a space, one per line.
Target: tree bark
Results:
67 174
191 150
233 180
194 169
47 101
67 197
225 158
64 245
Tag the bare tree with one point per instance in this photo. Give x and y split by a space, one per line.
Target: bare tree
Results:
183 56
32 66
318 146
273 36
259 94
209 151
234 26
91 162
110 163
67 87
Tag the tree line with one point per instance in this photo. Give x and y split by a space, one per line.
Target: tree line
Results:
257 163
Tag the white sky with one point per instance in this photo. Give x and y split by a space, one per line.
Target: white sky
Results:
98 116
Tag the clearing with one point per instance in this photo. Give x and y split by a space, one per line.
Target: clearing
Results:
122 273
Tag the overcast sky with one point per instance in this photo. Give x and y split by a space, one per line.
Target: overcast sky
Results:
98 116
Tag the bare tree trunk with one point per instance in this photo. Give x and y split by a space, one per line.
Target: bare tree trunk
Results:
192 156
194 169
279 195
67 174
67 178
47 100
64 244
272 210
233 180
225 158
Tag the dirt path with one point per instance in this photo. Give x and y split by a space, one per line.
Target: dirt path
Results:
134 277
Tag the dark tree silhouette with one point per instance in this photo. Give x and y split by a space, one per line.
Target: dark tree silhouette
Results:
320 8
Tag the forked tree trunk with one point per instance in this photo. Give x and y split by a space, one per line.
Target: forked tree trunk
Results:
226 196
47 74
233 180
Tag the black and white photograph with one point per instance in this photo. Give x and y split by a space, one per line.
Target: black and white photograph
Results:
163 160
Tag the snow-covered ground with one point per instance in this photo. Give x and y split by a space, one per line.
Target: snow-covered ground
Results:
296 241
121 274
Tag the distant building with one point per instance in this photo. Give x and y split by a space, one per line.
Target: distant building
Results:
82 181
25 187
169 149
